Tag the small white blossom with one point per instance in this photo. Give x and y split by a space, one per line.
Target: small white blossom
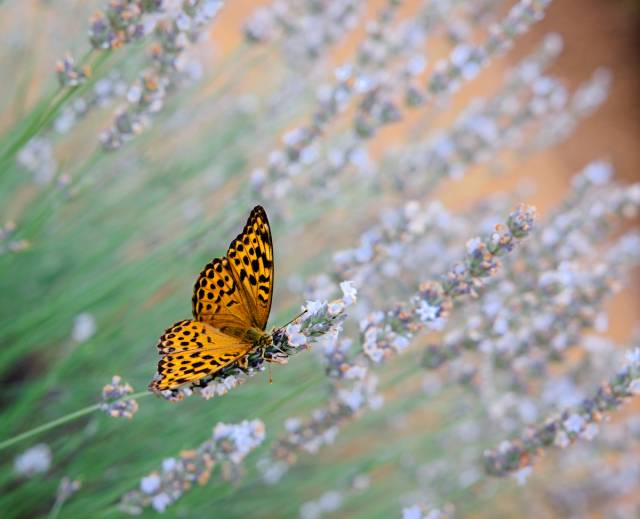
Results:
310 510
35 460
150 484
292 424
330 501
349 292
294 337
220 387
598 172
168 464
355 372
633 357
160 502
400 342
84 326
313 307
590 432
574 424
336 307
522 475
353 399
412 512
426 312
273 471
473 244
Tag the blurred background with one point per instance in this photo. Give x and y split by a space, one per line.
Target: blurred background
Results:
129 164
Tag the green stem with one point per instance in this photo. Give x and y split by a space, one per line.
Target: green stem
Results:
64 419
48 110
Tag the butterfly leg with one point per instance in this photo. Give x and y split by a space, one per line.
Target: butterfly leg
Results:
243 363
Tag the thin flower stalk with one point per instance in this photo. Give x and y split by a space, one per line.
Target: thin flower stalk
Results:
147 96
594 206
465 62
8 243
353 389
387 333
102 94
70 74
121 22
307 30
66 489
383 105
387 63
609 474
333 98
539 326
581 422
413 231
486 127
558 126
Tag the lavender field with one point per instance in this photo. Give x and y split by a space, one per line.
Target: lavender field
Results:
437 317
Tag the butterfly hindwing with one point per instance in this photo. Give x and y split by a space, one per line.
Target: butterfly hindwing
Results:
192 350
251 258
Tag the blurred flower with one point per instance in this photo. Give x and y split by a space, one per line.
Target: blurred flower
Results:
37 157
228 446
422 512
69 74
434 300
121 22
173 34
568 426
33 461
66 488
114 402
8 244
84 327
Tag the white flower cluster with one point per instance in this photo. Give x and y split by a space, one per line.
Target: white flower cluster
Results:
229 445
244 437
421 512
321 318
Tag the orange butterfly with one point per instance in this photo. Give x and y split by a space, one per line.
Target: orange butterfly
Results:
231 305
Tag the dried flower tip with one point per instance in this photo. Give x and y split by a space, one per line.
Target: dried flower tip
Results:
113 401
521 221
69 74
66 488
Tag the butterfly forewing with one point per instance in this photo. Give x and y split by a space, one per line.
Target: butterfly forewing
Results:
218 299
191 350
251 258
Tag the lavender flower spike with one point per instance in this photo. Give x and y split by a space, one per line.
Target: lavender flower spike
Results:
570 425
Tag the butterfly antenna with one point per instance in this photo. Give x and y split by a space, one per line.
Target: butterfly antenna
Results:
295 318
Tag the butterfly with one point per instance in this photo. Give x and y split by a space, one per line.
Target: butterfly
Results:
231 304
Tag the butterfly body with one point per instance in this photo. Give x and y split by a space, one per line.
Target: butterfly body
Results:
231 304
